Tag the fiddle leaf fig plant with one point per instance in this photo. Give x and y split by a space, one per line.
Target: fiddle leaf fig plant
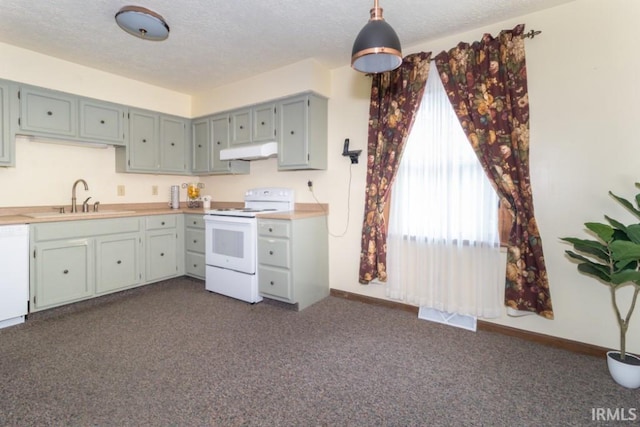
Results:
614 259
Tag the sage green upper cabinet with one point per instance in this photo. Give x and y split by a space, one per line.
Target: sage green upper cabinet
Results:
220 139
47 112
59 115
210 135
200 146
7 143
157 144
264 123
302 142
241 126
102 121
173 144
144 142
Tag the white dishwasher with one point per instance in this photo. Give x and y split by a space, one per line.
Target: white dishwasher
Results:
14 274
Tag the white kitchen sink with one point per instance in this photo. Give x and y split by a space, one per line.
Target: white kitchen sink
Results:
76 214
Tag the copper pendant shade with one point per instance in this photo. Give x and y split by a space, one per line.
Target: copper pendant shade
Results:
377 47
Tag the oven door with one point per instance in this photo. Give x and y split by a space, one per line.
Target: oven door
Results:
230 242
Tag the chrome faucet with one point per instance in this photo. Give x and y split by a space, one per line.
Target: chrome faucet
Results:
74 207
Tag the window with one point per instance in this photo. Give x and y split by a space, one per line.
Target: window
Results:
442 240
441 191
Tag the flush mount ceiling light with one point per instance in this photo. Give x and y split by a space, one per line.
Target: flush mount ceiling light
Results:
143 23
377 47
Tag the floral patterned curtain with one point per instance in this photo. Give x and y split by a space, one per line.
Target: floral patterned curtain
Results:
395 98
487 85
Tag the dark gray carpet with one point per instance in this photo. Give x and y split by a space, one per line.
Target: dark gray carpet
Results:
172 354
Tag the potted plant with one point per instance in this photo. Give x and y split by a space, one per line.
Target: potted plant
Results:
614 259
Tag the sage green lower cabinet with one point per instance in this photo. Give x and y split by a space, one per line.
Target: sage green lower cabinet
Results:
164 246
194 246
76 260
63 272
118 262
293 264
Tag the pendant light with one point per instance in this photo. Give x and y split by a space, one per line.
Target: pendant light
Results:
143 23
377 47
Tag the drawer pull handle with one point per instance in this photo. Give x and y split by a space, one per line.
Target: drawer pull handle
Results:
195 241
262 123
195 265
49 113
161 253
144 140
119 262
241 127
270 230
162 223
271 283
66 271
199 145
292 132
173 144
195 222
101 122
270 252
218 142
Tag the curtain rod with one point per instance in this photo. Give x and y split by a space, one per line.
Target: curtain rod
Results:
528 35
531 34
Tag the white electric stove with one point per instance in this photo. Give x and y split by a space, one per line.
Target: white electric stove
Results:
231 242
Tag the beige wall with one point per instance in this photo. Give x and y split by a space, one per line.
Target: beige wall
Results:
582 91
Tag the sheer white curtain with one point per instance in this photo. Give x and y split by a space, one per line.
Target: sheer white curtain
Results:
443 244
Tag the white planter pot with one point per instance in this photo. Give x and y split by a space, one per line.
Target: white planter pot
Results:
625 374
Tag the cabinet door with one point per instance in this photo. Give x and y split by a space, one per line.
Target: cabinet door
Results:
102 122
220 134
6 142
161 254
293 150
48 112
143 141
241 127
63 272
118 262
200 146
264 123
173 133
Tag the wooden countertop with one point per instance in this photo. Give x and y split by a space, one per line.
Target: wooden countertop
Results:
19 215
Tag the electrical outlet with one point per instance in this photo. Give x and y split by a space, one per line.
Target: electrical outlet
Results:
310 185
154 190
120 190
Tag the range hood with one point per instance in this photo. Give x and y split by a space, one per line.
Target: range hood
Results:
250 152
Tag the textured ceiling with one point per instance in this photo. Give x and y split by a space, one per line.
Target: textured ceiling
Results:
216 42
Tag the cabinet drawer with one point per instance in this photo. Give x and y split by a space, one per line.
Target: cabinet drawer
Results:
274 252
274 282
195 265
83 228
159 222
195 240
194 221
274 228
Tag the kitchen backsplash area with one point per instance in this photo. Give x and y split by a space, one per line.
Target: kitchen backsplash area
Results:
45 173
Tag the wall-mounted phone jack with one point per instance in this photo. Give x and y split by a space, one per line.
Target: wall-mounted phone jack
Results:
353 155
